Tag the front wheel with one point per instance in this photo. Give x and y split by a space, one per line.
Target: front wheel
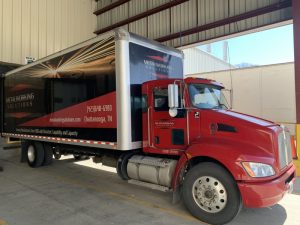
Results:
211 194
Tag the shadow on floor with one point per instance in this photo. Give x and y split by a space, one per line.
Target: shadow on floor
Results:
275 215
102 182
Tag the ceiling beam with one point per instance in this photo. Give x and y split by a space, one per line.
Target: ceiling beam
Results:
110 7
141 15
229 20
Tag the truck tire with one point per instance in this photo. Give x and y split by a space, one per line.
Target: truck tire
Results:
35 154
48 156
122 164
211 194
24 146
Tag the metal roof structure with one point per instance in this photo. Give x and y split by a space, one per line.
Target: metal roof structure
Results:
183 22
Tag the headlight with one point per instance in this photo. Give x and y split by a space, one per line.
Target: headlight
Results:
258 169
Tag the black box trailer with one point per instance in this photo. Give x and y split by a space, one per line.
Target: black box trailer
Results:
89 94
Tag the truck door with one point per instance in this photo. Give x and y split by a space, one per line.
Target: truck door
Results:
166 132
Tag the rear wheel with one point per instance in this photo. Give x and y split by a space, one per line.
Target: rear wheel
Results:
48 158
35 154
211 194
122 164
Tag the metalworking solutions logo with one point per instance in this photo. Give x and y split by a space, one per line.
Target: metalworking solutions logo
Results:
159 66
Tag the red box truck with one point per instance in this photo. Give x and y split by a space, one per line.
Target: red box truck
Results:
122 99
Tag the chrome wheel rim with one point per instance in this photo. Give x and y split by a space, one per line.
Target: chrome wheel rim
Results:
31 154
209 194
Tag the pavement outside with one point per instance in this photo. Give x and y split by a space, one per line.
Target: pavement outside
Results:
81 192
297 186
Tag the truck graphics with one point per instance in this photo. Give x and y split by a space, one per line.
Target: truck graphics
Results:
74 91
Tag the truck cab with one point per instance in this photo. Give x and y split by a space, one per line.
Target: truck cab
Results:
225 158
169 133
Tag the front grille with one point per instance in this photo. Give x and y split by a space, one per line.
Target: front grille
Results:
284 148
289 147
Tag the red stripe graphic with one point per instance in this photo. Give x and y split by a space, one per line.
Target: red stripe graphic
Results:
98 112
19 115
158 58
20 87
159 75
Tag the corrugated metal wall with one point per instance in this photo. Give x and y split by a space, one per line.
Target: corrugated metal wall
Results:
38 28
265 91
189 15
197 61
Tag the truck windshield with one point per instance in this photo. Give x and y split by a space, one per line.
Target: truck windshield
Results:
206 96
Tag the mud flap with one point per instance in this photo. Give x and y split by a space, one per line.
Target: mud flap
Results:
24 145
176 195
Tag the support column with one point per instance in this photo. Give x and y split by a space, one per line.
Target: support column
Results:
296 22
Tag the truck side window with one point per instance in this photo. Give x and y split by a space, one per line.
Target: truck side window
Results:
161 99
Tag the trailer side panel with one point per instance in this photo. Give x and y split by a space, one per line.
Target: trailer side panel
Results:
70 97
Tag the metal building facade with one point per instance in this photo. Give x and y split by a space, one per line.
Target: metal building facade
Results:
198 61
37 28
263 91
183 22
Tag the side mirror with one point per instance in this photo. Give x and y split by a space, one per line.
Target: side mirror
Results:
173 99
173 95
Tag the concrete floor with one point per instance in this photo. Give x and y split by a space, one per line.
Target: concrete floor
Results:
70 192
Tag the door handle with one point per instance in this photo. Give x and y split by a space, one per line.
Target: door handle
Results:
156 140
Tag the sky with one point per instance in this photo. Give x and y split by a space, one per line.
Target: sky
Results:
263 48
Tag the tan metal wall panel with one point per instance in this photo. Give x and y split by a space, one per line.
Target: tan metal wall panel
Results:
159 24
26 11
155 3
136 7
16 30
65 27
50 27
71 23
104 19
184 17
57 25
38 28
1 27
209 17
42 28
7 29
120 13
34 31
